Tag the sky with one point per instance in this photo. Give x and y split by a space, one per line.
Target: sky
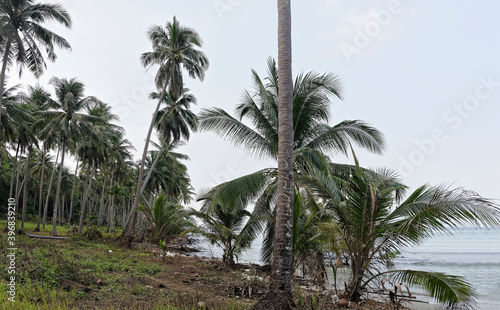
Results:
425 73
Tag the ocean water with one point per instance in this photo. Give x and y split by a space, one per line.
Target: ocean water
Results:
471 253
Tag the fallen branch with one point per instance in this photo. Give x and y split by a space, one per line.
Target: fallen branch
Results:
47 237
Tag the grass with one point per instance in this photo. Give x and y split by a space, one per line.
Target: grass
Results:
92 274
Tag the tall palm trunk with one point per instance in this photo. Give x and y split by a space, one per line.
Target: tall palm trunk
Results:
5 60
85 197
51 181
100 218
26 186
151 169
279 295
58 189
12 176
40 195
130 230
72 194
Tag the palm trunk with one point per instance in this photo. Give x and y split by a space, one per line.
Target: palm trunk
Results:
40 196
279 295
2 79
72 194
130 231
46 207
58 189
12 176
84 202
26 185
150 172
100 219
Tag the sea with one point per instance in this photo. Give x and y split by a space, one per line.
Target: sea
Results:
473 253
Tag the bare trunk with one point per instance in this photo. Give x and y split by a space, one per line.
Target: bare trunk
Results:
12 176
150 172
26 186
279 295
72 195
58 189
40 197
130 230
101 205
84 201
46 207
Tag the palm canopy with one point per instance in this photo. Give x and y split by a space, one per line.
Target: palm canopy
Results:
174 48
24 35
312 94
176 120
166 217
374 218
226 223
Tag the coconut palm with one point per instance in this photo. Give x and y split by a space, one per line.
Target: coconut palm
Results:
174 49
23 36
173 122
374 218
226 223
67 115
167 218
279 295
168 174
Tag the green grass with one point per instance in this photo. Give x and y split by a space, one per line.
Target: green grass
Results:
45 267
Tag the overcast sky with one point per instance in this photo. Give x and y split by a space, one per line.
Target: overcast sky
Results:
425 73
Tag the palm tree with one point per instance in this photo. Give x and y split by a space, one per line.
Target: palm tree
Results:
374 218
173 122
279 295
174 49
66 117
227 223
23 36
167 218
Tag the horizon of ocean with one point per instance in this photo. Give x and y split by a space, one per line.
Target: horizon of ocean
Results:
473 253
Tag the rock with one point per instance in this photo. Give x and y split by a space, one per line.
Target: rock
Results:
343 303
202 305
99 282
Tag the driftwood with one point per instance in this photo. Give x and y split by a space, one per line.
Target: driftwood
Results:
47 237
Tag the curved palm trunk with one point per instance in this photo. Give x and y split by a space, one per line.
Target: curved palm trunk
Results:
46 207
26 185
2 79
130 231
40 195
279 295
72 194
58 189
150 172
84 201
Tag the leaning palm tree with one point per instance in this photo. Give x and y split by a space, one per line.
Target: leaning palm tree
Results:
375 219
23 36
67 116
174 49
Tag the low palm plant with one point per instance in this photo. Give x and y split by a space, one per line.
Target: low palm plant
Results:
374 220
227 224
167 219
